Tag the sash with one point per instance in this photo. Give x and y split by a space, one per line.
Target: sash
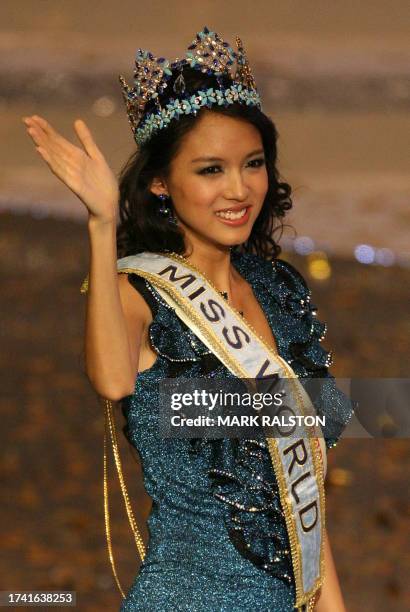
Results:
299 462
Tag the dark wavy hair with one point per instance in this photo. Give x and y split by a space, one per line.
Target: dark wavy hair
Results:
140 226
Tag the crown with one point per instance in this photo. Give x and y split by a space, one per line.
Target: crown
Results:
207 53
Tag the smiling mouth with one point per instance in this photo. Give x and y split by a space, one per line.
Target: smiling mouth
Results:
230 214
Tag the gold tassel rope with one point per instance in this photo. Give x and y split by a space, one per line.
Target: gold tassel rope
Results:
110 428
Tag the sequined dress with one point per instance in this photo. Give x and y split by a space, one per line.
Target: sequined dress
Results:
217 533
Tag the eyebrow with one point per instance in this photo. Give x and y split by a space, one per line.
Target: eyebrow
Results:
213 159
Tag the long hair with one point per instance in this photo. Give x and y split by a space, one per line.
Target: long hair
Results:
141 228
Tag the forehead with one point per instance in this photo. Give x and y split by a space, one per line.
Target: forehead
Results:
218 135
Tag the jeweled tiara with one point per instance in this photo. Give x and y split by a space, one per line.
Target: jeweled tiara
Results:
207 53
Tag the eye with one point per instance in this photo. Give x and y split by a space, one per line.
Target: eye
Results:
259 162
205 170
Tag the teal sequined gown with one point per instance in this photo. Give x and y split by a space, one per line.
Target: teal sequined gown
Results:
208 551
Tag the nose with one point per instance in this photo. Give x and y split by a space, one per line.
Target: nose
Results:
236 189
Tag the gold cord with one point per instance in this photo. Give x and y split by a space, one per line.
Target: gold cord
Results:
107 513
311 603
110 427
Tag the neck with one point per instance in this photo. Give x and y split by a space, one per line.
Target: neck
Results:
215 265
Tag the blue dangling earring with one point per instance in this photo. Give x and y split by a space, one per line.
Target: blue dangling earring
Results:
164 210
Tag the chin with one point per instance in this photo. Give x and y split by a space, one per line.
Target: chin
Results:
232 238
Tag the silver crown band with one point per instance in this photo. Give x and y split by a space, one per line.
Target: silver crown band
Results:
190 106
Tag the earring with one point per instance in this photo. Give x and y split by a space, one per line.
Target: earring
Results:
165 210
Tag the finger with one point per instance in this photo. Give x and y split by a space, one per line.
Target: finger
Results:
56 161
86 139
53 142
54 138
41 140
44 154
33 133
54 158
45 125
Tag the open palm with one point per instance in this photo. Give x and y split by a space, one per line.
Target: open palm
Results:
84 170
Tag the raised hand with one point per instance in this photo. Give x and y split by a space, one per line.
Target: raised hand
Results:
84 170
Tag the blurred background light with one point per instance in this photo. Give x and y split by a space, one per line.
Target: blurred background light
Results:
384 257
104 106
318 266
303 245
364 253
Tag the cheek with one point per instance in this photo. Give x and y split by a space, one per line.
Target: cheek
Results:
259 186
196 194
263 182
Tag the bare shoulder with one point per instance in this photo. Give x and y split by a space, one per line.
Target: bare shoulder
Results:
137 316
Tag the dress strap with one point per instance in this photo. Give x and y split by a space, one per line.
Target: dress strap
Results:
140 284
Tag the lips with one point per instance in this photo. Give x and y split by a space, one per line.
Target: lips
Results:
234 215
234 208
231 214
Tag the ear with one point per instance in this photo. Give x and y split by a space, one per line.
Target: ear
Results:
158 187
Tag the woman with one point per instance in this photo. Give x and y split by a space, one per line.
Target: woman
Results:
201 196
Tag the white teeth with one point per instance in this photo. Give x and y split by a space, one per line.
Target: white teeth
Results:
231 215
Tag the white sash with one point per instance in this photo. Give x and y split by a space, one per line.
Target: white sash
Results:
299 462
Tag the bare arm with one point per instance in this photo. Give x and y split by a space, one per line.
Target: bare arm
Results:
114 318
330 598
115 312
